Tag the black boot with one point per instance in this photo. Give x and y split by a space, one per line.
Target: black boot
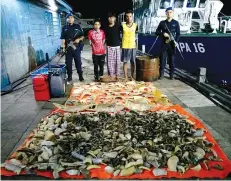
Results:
96 78
161 76
81 79
69 81
172 76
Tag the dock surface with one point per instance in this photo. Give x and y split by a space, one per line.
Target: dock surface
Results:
21 113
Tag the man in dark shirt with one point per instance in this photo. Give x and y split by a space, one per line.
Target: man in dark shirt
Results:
168 46
72 32
112 32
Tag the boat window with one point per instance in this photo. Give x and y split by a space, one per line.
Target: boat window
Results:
191 3
164 4
178 3
195 15
202 4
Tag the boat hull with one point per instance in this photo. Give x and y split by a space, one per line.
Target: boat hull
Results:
212 52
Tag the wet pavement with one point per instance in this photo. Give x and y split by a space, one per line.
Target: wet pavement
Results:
20 113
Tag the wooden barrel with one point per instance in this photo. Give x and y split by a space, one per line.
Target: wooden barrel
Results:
147 68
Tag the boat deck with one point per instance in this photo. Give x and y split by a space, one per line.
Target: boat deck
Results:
201 34
21 113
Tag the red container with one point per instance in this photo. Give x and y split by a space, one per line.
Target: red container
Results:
41 88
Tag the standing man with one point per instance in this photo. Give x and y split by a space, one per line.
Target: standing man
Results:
96 38
112 32
168 46
129 30
72 33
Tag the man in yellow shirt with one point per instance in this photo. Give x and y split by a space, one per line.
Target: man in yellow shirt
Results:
129 30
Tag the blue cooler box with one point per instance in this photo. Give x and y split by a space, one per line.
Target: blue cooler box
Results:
57 77
54 68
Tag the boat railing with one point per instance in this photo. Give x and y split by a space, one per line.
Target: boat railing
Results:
225 22
225 25
194 28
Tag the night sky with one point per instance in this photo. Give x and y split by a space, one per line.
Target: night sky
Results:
100 8
226 8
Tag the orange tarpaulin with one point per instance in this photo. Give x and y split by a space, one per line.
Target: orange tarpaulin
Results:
101 174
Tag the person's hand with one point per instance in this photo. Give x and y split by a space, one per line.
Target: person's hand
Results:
77 41
62 50
166 35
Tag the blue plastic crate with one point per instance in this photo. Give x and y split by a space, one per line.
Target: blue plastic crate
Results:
54 68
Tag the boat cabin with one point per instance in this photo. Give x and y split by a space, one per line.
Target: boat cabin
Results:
193 15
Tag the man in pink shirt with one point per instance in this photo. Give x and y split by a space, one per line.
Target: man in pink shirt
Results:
96 38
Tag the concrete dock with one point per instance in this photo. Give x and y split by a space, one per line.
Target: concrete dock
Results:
21 113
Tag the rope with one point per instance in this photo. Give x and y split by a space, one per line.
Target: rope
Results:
153 44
